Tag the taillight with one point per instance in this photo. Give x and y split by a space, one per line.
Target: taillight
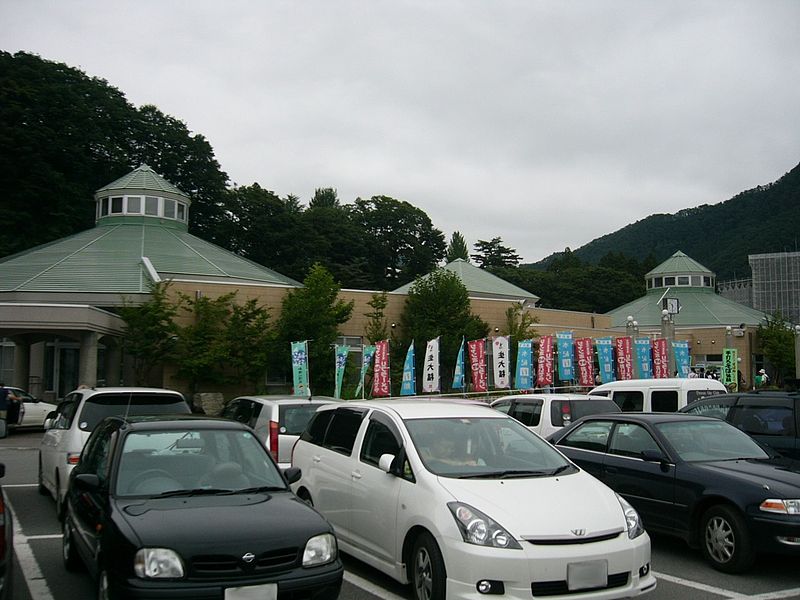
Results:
73 458
273 439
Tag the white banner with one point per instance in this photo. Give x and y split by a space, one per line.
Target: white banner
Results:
501 359
430 374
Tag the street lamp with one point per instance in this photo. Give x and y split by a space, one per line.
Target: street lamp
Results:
728 337
629 325
797 351
668 333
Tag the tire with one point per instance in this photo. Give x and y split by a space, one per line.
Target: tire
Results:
428 576
69 554
725 540
42 490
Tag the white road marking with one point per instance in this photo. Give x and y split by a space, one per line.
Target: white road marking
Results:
37 585
775 595
19 485
370 587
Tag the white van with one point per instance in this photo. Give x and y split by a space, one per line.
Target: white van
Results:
658 395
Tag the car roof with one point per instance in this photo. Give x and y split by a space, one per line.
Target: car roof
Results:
692 382
567 396
166 422
126 390
421 409
648 417
289 399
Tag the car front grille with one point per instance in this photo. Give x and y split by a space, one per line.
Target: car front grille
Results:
222 566
559 588
562 541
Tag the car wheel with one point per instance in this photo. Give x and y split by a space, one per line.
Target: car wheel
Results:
725 540
59 500
69 553
42 490
428 577
103 587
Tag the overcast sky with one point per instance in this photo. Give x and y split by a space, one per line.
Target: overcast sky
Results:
545 123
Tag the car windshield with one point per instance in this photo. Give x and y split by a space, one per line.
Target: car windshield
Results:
100 406
484 447
189 462
696 441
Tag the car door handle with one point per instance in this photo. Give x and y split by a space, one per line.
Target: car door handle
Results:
355 475
316 459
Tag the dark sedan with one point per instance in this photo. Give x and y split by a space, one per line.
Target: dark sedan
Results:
698 478
191 507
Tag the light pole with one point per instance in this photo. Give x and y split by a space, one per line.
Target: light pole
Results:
668 333
797 351
629 325
728 337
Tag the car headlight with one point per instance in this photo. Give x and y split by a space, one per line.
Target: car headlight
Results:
319 550
632 518
157 563
781 507
476 528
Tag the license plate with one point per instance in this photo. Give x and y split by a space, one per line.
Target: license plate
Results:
587 575
266 591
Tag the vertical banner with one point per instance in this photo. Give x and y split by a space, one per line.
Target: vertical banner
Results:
624 348
660 359
566 355
682 360
500 362
544 368
381 383
341 353
584 359
730 369
430 381
605 360
477 365
644 358
458 372
300 369
409 385
366 358
524 380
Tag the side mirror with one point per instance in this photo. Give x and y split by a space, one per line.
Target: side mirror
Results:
87 481
652 455
292 474
385 462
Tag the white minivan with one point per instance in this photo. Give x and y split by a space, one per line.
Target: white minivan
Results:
658 395
462 501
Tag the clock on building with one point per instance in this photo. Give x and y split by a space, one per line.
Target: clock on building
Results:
672 305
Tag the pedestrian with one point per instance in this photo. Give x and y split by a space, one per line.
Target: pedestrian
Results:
693 374
7 398
764 378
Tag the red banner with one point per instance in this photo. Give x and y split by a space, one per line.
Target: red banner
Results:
381 383
584 358
624 347
544 368
477 364
660 359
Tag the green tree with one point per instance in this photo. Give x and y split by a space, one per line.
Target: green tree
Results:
457 248
519 323
248 338
494 254
314 313
324 197
777 341
377 328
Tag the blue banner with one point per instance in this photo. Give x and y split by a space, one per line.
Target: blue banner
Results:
644 358
458 374
605 358
409 385
524 379
366 358
682 360
566 356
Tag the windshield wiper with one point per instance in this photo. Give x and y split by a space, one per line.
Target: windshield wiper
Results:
194 492
261 488
560 469
509 474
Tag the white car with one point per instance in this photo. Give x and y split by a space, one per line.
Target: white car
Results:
68 427
33 411
462 501
545 414
277 421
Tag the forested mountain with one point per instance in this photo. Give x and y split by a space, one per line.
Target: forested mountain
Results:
719 236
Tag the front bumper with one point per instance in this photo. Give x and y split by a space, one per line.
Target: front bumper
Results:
773 533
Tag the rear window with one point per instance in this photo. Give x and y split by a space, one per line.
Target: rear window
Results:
293 418
99 406
563 412
693 395
528 413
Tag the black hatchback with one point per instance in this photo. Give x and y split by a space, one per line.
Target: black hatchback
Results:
192 507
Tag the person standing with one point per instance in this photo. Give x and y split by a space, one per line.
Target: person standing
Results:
764 379
6 398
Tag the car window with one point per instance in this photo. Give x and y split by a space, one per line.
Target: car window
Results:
564 412
100 406
293 418
664 400
379 439
710 408
592 435
503 406
95 456
764 416
317 426
709 440
693 395
527 412
65 413
629 400
631 439
341 434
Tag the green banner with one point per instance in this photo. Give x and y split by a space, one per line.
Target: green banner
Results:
341 361
730 369
300 369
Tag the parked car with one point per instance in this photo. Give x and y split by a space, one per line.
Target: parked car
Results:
69 426
658 395
6 534
193 507
33 411
771 417
456 498
277 420
698 478
547 413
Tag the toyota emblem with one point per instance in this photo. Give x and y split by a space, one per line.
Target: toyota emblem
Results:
578 532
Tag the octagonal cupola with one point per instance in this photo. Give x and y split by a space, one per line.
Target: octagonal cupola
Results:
142 196
680 270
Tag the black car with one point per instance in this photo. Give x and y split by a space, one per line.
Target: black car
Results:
193 507
771 417
698 478
6 533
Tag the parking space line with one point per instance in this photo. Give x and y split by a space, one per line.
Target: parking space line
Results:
370 587
19 485
776 595
37 585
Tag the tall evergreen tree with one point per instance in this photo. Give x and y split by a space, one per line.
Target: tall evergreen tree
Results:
494 254
457 248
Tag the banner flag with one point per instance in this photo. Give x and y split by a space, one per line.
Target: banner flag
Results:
300 369
366 358
500 362
409 385
544 368
477 364
730 369
644 359
682 359
524 379
431 381
381 382
605 361
660 359
624 347
458 374
566 355
341 353
584 358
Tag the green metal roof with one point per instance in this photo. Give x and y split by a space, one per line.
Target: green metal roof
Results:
480 283
141 179
679 263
